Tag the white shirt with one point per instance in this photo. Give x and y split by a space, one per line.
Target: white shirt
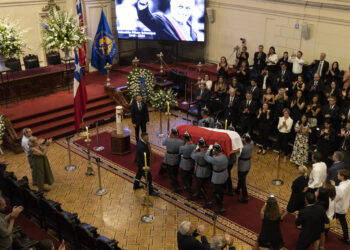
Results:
331 209
297 64
318 175
25 145
320 67
289 123
342 198
273 58
209 83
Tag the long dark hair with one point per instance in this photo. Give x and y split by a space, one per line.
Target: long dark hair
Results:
323 198
272 210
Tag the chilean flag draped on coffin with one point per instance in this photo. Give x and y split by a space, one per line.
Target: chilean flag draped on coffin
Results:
80 95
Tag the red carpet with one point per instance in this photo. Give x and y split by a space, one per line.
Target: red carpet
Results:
246 215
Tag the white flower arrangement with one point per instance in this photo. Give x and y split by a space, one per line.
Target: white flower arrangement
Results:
61 31
160 99
133 83
2 126
11 40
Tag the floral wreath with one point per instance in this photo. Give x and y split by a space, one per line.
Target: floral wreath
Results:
140 81
160 99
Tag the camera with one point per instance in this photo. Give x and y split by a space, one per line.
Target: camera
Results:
272 196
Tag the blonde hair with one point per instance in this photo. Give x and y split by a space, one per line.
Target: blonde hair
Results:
32 141
184 227
303 169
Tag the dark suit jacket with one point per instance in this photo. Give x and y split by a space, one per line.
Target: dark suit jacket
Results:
141 148
255 93
252 110
334 113
189 242
235 103
324 69
205 97
269 81
259 64
333 172
285 80
318 90
312 219
138 117
161 25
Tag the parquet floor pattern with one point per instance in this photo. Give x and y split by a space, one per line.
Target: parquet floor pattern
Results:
117 214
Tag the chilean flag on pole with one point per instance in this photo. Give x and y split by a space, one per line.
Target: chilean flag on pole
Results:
80 96
82 50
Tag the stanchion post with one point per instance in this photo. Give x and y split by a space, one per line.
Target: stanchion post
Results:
160 135
278 181
214 224
147 218
100 191
70 166
98 147
89 170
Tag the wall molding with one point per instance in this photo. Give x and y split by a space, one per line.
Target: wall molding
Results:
315 4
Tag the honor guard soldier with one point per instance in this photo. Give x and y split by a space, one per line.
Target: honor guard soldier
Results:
219 161
244 167
203 172
172 157
231 163
206 120
186 162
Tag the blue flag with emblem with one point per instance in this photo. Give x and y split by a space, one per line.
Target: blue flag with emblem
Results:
104 48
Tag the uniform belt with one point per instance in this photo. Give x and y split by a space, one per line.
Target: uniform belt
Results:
244 159
203 166
220 171
172 153
187 158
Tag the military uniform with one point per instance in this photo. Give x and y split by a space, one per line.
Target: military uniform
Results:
209 120
219 176
231 163
244 164
187 165
172 158
203 173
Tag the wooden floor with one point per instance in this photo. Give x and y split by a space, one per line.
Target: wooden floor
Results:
117 214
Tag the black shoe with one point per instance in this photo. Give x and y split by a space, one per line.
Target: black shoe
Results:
138 187
243 200
237 191
154 194
344 241
220 211
193 197
207 205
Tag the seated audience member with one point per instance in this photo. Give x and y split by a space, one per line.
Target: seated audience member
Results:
202 97
219 242
47 244
6 224
254 89
264 123
342 202
269 98
298 64
298 85
243 74
284 60
222 68
284 127
186 237
270 235
232 104
248 111
237 86
333 73
272 60
315 87
40 163
331 111
243 56
320 66
297 106
283 79
327 141
338 164
311 219
208 82
265 80
332 90
206 120
345 144
259 60
300 152
318 173
299 187
220 88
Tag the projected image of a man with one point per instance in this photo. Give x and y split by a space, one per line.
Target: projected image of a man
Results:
176 25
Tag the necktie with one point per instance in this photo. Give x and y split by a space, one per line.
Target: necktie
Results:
139 105
319 69
264 84
283 72
201 92
248 103
231 99
315 83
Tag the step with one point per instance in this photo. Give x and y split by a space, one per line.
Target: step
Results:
31 123
23 118
69 121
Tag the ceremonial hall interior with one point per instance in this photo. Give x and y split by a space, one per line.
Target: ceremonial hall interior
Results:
174 124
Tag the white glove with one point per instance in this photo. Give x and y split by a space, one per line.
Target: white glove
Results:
197 147
210 147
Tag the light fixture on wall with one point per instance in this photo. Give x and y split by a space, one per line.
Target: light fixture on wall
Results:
51 4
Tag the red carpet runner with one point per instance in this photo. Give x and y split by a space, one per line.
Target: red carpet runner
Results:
246 215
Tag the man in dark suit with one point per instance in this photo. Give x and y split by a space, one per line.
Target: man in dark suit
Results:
259 60
202 97
331 111
338 164
311 219
254 89
231 104
345 144
345 114
142 147
265 80
139 115
315 87
173 26
283 79
186 237
248 111
320 66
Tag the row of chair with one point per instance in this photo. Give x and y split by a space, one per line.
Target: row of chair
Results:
51 216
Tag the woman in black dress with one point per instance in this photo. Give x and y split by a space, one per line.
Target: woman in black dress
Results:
243 56
270 235
264 118
297 198
313 118
222 68
297 106
333 73
243 74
